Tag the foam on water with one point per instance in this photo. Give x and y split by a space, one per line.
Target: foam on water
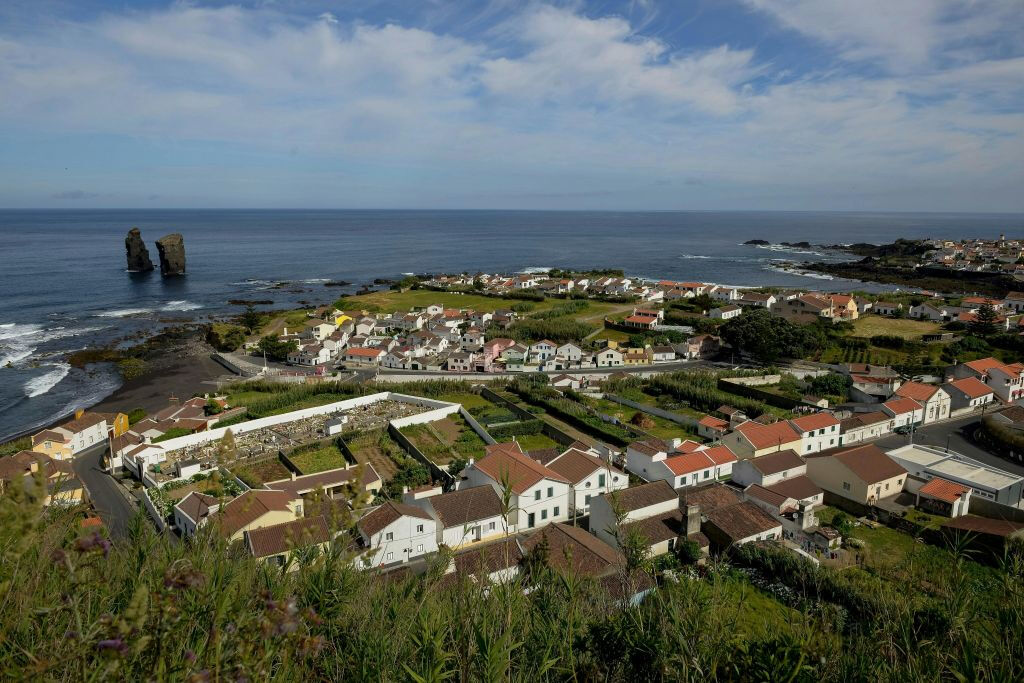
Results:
124 312
37 386
180 305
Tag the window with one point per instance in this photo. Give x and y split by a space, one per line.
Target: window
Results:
831 442
389 536
543 514
530 520
588 484
808 448
846 486
556 511
820 432
536 494
682 480
391 556
419 548
586 501
551 491
490 526
707 474
419 528
600 480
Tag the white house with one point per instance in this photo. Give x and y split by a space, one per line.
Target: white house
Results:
818 432
652 507
466 516
395 533
539 495
935 400
608 358
904 411
543 350
725 312
768 469
192 512
571 352
864 426
968 393
652 460
588 477
74 436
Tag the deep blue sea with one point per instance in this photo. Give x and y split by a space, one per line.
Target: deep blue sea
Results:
63 284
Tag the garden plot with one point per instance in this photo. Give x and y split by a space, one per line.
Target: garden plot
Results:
444 441
376 448
318 458
255 474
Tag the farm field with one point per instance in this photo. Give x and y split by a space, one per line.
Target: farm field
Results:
658 426
442 441
872 325
390 300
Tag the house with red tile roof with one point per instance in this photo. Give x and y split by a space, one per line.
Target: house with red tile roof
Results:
935 400
818 431
904 411
539 495
655 460
751 439
711 427
944 497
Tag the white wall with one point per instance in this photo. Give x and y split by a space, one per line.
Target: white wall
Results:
407 543
589 487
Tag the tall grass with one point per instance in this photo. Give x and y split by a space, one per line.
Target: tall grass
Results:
73 606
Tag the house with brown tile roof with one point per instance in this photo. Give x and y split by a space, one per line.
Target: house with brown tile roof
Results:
864 426
862 474
333 483
254 509
769 469
740 523
968 393
709 497
275 544
469 515
394 533
539 495
572 549
74 436
588 476
192 511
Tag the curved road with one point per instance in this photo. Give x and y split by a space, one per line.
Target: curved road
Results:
107 496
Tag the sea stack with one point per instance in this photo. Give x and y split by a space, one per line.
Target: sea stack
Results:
138 254
172 254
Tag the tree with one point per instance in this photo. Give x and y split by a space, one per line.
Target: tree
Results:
984 324
275 348
212 407
688 551
226 448
768 337
251 319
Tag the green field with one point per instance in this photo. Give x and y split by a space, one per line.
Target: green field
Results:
328 457
390 300
442 441
255 474
535 442
872 325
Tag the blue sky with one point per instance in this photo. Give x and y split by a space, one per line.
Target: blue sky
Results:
874 105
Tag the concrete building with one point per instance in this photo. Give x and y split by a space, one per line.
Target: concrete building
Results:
394 533
861 474
924 463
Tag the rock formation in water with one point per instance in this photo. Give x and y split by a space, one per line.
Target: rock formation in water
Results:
138 254
172 254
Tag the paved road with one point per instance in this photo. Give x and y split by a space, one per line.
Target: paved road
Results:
106 494
951 434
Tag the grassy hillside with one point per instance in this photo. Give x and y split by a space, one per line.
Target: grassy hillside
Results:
75 607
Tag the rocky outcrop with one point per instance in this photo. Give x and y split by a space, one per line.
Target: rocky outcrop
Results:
758 242
172 254
138 254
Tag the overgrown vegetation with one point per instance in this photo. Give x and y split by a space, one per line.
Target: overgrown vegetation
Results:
77 606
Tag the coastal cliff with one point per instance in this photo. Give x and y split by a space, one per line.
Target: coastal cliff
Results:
137 253
172 254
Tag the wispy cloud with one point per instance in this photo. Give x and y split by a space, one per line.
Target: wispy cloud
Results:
538 107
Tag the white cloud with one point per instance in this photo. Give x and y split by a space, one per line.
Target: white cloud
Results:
400 115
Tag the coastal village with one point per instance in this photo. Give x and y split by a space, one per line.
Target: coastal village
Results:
656 437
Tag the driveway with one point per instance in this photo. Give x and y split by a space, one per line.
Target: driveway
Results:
106 494
952 434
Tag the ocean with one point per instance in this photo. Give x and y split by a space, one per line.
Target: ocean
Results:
63 284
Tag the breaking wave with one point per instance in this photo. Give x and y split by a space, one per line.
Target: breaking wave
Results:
124 312
37 386
180 306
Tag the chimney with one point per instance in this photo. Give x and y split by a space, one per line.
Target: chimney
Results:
692 519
